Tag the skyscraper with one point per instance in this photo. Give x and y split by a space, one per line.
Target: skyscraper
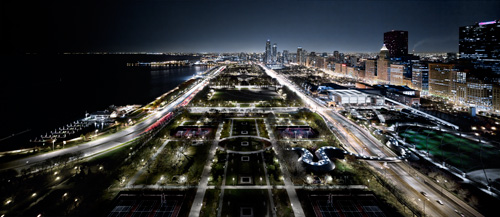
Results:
480 41
420 78
286 58
441 79
275 53
267 56
383 69
299 55
396 42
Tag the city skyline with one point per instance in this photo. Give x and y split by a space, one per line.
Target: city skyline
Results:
236 26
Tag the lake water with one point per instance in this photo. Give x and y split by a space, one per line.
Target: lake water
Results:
41 93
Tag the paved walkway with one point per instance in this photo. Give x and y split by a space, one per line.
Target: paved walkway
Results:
246 136
223 186
141 171
202 187
257 128
269 186
290 188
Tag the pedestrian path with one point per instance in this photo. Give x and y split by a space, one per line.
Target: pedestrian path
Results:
141 171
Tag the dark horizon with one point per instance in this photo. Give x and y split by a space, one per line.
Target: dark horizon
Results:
197 26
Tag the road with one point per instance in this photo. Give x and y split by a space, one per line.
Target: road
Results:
359 141
244 109
99 146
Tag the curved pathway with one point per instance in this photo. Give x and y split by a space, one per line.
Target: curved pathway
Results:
325 162
245 136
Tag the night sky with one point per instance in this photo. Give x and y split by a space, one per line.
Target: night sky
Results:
234 25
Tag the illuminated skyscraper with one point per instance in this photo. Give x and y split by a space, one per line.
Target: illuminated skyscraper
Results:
286 57
267 55
480 41
383 69
299 55
275 53
396 42
336 55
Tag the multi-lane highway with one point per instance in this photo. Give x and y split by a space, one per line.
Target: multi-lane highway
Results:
101 145
359 141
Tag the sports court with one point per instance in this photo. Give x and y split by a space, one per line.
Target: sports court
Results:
144 205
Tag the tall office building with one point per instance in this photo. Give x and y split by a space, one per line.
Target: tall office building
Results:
396 42
299 55
370 70
275 53
267 55
420 78
480 41
441 79
286 58
383 69
397 74
336 55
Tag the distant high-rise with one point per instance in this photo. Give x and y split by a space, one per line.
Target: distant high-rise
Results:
286 58
396 42
336 55
275 53
267 56
299 55
480 41
420 78
370 70
441 79
383 69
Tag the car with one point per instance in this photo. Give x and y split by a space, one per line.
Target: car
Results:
440 202
423 193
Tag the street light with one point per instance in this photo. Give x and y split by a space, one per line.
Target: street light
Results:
233 180
441 185
424 203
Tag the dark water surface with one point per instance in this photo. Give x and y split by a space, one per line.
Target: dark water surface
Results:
41 93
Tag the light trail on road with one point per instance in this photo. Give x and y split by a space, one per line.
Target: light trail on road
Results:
100 146
358 140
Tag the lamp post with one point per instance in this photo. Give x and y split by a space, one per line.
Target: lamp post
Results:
424 203
441 185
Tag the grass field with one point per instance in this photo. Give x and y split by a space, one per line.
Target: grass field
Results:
235 144
244 96
460 152
241 125
236 199
238 168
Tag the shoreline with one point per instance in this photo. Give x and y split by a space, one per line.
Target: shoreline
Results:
28 151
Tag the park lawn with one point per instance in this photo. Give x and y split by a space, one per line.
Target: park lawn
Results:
217 170
168 165
210 203
243 96
273 168
459 152
238 168
234 199
254 144
262 128
248 125
226 127
282 203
